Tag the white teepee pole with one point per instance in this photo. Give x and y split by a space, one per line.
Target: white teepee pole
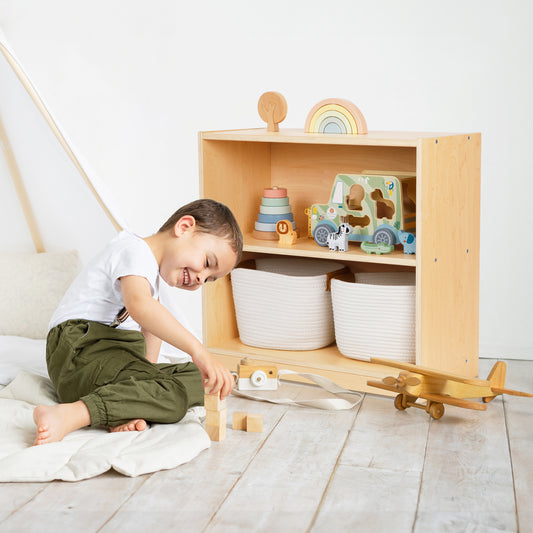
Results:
20 189
49 119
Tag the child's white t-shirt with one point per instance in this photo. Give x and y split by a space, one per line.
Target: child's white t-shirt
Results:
95 294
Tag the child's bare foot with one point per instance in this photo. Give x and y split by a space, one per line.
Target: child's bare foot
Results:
55 421
133 425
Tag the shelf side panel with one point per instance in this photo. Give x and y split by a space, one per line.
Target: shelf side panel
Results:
448 190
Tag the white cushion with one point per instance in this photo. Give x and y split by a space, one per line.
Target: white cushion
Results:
21 353
31 287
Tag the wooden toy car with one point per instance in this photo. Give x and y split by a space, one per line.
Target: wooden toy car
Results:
377 207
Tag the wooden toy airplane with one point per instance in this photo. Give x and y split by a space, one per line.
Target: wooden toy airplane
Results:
440 388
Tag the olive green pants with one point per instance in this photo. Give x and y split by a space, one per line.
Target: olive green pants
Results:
106 368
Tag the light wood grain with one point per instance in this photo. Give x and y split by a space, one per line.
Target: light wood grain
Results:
82 507
189 496
374 500
467 480
308 171
385 438
447 240
327 362
519 418
311 442
290 135
20 189
14 496
372 468
237 165
305 247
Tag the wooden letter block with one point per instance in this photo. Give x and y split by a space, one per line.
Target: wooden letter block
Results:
239 420
254 423
212 402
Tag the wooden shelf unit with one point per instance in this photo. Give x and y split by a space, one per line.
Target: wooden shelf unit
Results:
235 167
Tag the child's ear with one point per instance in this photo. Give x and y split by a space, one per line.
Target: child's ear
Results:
185 223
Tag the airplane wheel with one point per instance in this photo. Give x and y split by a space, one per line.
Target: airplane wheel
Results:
436 410
398 403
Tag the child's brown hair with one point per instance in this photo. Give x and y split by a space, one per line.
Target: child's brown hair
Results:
211 217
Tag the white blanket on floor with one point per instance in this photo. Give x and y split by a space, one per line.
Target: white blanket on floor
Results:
87 452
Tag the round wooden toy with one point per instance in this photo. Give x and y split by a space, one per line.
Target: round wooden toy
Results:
272 108
283 227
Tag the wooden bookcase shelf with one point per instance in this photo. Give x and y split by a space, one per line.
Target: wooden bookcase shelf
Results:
235 167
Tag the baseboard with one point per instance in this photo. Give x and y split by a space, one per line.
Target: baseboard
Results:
507 351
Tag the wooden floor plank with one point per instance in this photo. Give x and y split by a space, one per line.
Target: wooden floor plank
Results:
467 483
369 500
81 507
519 417
14 496
188 496
381 462
384 437
283 486
371 469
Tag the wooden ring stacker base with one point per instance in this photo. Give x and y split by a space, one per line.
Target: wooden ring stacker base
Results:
267 235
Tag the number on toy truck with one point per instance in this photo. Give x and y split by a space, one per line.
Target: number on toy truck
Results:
379 209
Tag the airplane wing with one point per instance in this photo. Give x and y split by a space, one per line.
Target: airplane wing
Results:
430 372
440 398
458 402
381 385
498 390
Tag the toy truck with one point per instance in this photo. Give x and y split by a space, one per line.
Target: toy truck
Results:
379 208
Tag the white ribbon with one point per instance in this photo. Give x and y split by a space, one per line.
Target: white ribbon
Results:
330 404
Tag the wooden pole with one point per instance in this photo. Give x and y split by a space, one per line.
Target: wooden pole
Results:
20 189
48 117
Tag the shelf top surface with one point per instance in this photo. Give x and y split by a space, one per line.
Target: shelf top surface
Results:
305 247
372 138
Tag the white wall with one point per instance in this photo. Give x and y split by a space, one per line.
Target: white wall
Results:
133 82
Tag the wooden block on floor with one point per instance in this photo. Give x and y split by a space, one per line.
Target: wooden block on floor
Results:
239 420
215 424
254 423
212 402
216 433
216 418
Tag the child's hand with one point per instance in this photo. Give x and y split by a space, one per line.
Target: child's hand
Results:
216 377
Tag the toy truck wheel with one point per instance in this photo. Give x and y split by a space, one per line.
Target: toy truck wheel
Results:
321 234
384 236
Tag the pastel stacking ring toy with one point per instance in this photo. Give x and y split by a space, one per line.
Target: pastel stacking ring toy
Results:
275 192
274 207
275 202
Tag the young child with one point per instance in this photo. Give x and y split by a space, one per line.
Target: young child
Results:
105 336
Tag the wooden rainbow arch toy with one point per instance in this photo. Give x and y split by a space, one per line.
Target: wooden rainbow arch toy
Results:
335 115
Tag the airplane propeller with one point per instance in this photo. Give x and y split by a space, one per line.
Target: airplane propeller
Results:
402 380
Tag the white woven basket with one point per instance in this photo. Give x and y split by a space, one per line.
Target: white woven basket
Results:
284 304
375 317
